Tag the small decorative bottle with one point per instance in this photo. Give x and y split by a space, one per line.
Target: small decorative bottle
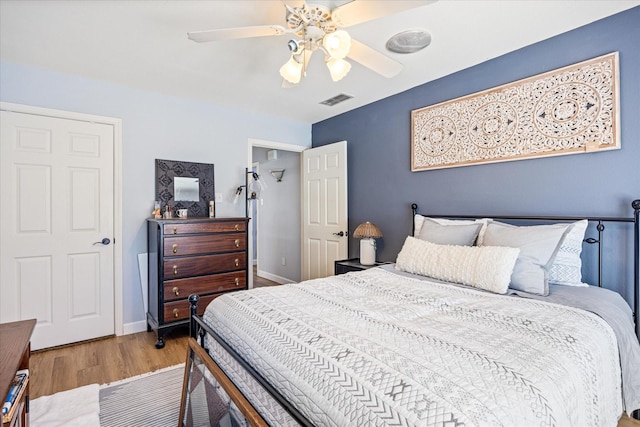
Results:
212 209
156 210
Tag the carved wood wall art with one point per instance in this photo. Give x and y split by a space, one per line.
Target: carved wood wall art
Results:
570 110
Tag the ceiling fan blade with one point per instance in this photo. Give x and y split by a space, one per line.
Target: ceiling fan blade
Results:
357 12
293 3
374 60
236 33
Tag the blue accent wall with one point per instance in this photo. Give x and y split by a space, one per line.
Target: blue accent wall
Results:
382 186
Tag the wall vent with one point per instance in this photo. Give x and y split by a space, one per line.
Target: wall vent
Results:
336 100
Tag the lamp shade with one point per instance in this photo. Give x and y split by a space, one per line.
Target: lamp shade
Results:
367 230
291 71
337 44
338 68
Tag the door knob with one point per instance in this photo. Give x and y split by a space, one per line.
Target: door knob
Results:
340 234
104 241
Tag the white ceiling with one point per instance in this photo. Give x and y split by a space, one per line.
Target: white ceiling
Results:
143 44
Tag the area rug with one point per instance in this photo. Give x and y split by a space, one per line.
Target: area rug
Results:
147 400
151 400
78 407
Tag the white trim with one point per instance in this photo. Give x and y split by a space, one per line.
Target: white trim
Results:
118 309
253 142
274 277
134 327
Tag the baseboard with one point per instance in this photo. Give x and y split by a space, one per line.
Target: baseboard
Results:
274 278
134 327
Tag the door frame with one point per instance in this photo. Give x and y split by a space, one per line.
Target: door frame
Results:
253 142
118 309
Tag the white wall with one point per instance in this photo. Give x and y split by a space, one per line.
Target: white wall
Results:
279 217
154 126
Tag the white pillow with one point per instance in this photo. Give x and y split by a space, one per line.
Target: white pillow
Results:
567 265
458 234
486 267
538 245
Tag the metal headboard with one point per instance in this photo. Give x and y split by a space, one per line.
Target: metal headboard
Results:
600 221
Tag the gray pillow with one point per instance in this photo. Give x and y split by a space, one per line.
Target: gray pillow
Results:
538 245
445 234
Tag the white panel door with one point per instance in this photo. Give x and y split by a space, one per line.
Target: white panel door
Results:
56 182
324 199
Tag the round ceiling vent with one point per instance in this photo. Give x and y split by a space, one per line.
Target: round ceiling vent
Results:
409 41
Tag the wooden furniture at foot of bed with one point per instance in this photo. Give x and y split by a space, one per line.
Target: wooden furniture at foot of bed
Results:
14 356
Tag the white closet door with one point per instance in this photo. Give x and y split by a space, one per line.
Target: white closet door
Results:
56 207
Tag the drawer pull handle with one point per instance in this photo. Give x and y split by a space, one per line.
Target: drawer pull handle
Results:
237 227
175 230
175 313
237 281
175 248
175 269
176 290
237 262
237 242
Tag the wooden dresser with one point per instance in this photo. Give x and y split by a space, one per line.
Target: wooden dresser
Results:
204 256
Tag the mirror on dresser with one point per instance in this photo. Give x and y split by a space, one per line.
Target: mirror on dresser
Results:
185 185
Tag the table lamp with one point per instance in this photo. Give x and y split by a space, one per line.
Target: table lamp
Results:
367 232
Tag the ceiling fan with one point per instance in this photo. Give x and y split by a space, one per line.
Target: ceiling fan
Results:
318 29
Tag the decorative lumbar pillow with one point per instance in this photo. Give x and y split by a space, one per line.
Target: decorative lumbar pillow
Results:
485 267
567 265
455 234
538 245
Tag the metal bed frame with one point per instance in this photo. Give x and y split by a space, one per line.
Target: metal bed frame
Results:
600 227
199 329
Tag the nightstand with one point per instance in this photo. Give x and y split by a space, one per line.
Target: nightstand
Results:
346 265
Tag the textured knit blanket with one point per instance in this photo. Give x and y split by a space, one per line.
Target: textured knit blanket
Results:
377 348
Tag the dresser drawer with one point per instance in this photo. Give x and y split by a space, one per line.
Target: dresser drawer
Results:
178 268
182 288
179 310
190 245
204 227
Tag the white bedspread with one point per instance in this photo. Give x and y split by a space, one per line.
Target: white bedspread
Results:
377 348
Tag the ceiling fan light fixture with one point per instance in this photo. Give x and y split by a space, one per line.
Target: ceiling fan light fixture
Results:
338 68
317 27
337 44
291 71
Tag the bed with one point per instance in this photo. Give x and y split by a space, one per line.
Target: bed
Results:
452 334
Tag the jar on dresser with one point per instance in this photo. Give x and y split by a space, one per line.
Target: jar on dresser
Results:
204 256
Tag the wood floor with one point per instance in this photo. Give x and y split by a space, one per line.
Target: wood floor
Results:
103 361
